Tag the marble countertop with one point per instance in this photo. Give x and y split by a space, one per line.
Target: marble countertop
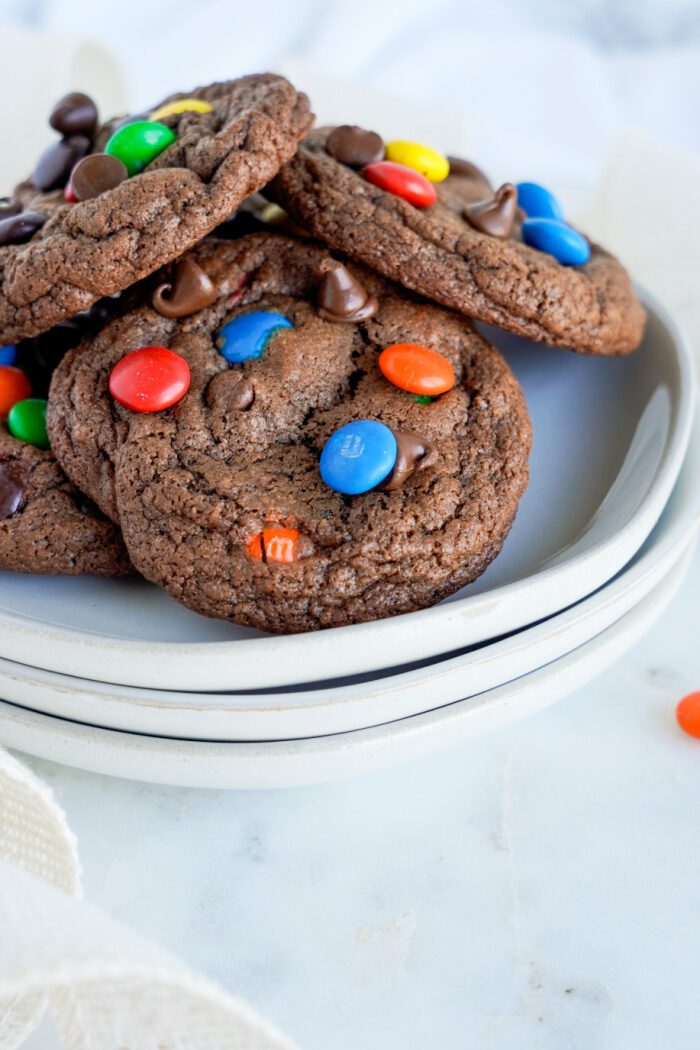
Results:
535 890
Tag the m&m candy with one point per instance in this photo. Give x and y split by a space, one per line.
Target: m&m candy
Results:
568 246
150 379
417 369
14 387
8 355
421 158
358 456
27 422
537 202
247 335
139 143
688 714
402 182
182 105
274 544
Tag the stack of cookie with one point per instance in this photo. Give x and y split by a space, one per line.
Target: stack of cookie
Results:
268 395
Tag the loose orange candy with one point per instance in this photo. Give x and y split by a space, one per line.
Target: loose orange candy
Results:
688 714
14 387
417 369
274 545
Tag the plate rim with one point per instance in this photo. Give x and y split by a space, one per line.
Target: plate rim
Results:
280 764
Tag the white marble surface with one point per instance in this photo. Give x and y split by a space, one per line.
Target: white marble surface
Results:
537 890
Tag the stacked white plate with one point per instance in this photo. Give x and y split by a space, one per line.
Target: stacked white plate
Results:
114 677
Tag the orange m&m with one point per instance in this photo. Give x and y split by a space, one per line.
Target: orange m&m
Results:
14 387
688 714
417 369
274 545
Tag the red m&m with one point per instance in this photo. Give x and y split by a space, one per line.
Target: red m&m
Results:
417 369
402 182
150 379
14 387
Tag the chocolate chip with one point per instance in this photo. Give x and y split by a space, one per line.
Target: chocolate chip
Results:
11 492
495 216
413 453
468 170
74 114
17 229
56 163
230 392
191 290
341 297
354 146
96 174
9 207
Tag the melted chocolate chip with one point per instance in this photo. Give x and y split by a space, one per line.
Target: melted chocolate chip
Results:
11 492
96 174
496 216
74 114
467 169
56 163
354 146
341 297
17 229
229 392
413 453
191 290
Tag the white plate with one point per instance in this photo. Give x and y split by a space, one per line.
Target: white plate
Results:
369 702
323 759
609 441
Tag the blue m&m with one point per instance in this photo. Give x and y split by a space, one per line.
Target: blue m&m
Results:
8 355
358 457
537 202
246 336
567 245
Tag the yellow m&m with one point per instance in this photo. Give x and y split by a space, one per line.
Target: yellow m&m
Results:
421 158
181 105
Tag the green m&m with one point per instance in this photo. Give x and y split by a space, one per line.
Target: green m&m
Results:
26 421
137 144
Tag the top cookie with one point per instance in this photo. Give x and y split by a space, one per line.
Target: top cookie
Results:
58 257
441 249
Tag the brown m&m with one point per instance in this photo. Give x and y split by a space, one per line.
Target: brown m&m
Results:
96 174
189 291
74 114
17 229
341 297
354 146
56 163
496 215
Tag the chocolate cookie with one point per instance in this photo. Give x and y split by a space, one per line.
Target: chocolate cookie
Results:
107 206
459 243
46 524
234 499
